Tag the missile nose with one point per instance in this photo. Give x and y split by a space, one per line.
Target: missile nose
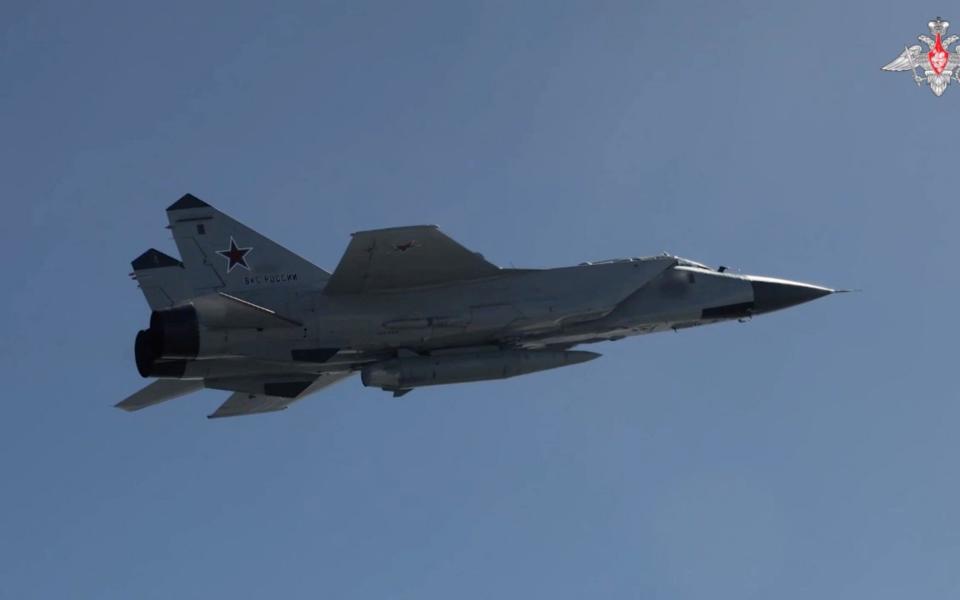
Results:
774 294
572 357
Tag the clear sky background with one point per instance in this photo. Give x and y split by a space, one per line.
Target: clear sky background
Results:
807 454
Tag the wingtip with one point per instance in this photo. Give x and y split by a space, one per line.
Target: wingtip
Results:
188 201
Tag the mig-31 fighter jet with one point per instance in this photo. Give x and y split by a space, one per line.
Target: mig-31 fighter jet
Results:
406 307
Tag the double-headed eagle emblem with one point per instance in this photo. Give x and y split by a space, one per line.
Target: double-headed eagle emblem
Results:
938 66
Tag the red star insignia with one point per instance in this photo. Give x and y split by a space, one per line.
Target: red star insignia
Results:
235 256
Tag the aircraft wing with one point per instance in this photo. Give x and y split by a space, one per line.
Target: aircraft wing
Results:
261 397
402 257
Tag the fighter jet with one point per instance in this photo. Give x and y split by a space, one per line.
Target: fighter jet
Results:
406 307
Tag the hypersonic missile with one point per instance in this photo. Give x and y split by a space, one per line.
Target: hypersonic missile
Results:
418 371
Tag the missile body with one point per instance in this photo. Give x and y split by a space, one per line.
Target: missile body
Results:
419 371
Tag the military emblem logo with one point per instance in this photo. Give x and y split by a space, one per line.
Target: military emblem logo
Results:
937 66
236 256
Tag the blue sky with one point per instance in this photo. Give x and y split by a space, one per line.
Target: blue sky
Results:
810 453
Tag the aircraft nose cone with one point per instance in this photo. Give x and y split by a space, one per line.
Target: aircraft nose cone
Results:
775 294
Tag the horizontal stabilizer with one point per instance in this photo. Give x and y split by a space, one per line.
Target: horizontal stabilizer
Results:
263 396
159 391
403 257
283 386
242 403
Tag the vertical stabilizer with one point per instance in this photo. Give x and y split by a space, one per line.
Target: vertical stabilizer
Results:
223 255
161 278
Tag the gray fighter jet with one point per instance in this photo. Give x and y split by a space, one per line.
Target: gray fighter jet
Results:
406 307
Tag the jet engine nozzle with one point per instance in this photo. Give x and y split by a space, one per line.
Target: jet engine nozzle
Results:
174 335
175 332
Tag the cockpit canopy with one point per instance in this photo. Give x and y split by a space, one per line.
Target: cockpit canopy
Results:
684 262
681 262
